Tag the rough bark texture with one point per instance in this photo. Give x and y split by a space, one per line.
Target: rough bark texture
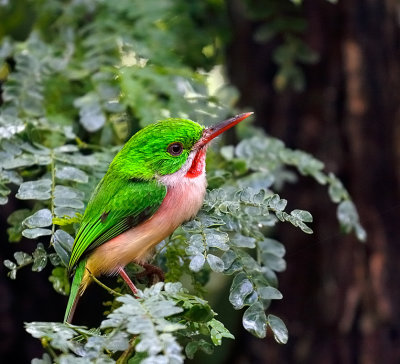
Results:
341 298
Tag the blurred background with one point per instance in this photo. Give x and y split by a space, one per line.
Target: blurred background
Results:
324 77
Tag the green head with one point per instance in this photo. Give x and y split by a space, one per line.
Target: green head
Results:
165 147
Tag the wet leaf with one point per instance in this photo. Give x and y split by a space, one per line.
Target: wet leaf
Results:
22 258
35 233
60 280
216 239
269 293
255 320
272 246
63 245
41 218
240 289
197 262
216 263
72 174
68 202
193 346
242 241
302 215
279 329
39 258
35 190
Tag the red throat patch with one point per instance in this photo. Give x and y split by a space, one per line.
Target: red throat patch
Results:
197 166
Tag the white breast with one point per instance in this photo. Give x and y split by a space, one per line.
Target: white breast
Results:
182 202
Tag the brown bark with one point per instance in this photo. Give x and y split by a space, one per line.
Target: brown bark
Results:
341 298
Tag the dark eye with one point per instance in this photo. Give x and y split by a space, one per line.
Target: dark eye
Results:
175 149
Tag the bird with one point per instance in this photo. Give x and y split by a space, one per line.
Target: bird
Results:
156 182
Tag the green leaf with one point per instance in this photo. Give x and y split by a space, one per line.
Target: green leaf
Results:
68 192
41 218
218 331
35 233
22 258
269 293
216 239
39 258
347 215
58 334
59 278
255 320
34 190
302 215
272 246
9 264
273 262
336 190
63 245
72 174
197 262
199 313
193 346
215 263
15 220
279 329
227 152
276 203
45 360
241 287
91 115
243 241
68 202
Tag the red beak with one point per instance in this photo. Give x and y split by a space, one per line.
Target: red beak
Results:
213 131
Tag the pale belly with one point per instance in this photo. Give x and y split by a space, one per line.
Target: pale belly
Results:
181 203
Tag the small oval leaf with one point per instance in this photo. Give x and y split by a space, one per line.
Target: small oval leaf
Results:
215 263
255 321
197 262
41 218
279 329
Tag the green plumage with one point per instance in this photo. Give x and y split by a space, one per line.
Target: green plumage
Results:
129 193
74 292
132 191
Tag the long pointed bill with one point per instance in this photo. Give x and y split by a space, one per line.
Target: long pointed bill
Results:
213 131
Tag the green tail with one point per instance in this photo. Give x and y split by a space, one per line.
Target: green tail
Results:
74 292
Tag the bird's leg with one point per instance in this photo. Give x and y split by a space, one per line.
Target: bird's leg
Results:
150 269
128 281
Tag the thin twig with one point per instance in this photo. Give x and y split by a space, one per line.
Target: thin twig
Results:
108 289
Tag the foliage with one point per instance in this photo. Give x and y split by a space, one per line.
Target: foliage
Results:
88 75
149 326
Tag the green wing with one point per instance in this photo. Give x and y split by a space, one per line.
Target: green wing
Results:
114 208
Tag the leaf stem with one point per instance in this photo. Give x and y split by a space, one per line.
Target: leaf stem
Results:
108 289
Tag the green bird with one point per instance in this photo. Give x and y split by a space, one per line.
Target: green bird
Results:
155 183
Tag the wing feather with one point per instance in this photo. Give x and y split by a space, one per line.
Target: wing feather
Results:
114 208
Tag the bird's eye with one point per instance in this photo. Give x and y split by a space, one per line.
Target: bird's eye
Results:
175 149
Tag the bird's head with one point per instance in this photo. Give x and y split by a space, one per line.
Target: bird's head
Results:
172 147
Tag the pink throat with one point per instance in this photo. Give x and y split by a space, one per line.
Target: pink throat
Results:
198 164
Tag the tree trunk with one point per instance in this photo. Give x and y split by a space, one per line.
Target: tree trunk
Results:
341 298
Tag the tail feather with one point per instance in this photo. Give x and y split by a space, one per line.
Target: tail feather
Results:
75 292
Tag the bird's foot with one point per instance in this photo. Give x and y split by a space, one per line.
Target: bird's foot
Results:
151 270
128 281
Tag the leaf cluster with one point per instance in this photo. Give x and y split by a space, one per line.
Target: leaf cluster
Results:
150 329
